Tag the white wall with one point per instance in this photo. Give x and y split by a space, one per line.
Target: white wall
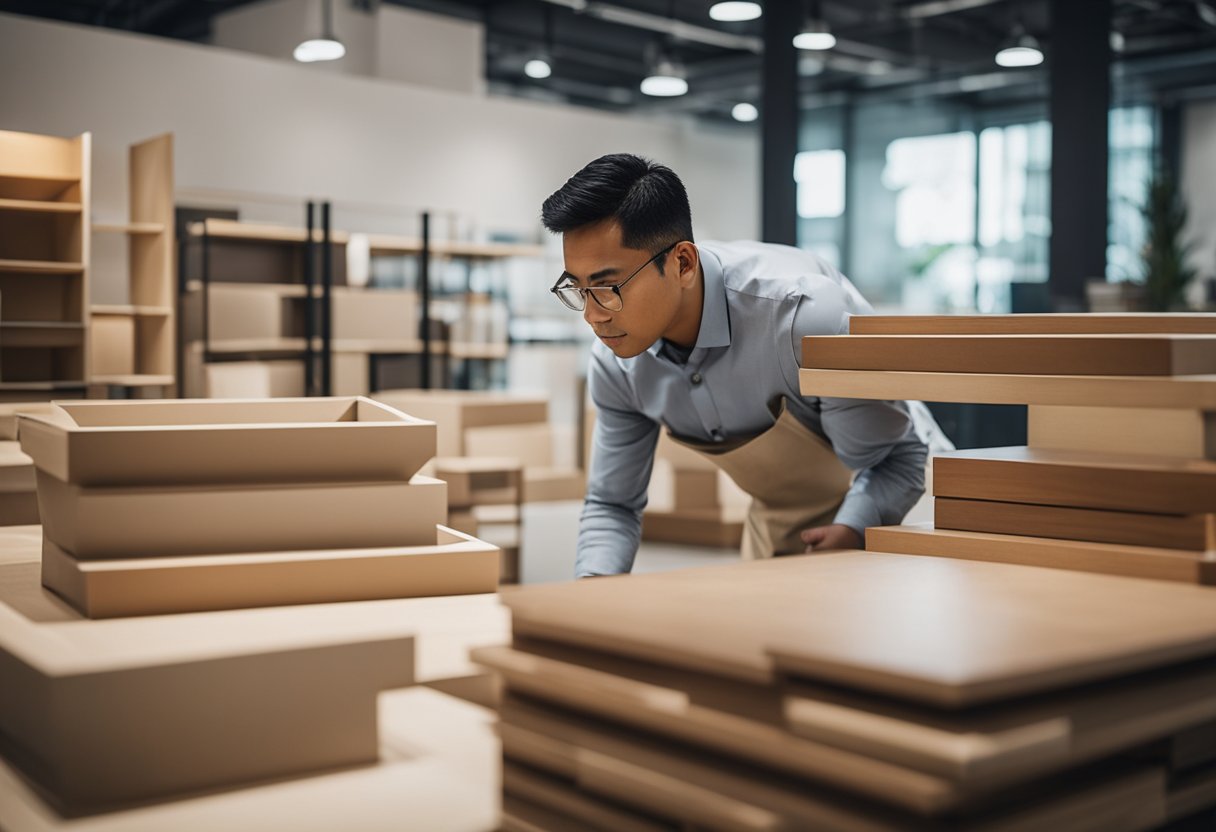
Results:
249 123
1199 183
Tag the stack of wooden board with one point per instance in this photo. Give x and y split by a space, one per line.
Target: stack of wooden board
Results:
1120 472
173 506
691 501
96 714
478 483
856 691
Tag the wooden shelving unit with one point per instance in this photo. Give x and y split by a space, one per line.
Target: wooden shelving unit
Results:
44 256
132 345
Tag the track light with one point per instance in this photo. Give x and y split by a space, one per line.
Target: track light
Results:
734 12
325 48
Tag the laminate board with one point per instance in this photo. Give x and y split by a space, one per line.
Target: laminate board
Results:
1078 479
1044 324
1105 558
1134 355
1192 532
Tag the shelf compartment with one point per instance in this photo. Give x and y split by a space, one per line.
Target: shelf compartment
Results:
53 298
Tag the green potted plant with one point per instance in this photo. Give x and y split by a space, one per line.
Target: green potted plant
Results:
1166 271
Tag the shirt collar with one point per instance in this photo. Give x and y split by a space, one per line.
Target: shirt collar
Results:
715 316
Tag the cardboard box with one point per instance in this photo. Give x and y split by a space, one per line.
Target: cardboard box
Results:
480 481
374 314
18 508
254 379
456 564
16 469
531 444
254 312
200 441
550 485
120 522
98 717
8 416
454 411
716 527
111 345
696 489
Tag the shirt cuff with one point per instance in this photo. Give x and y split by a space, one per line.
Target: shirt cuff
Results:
859 512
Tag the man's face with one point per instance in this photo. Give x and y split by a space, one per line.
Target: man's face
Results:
595 256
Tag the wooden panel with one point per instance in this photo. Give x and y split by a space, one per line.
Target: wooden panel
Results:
536 801
37 205
1049 324
717 527
1164 432
1195 392
1123 482
1194 532
1104 558
111 345
947 632
35 156
1135 355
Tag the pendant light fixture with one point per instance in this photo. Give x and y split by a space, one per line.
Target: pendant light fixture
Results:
1022 50
325 48
666 79
816 36
744 111
734 12
540 65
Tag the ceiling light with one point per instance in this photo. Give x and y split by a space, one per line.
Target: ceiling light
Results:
1022 51
734 12
744 111
815 36
665 80
538 68
325 48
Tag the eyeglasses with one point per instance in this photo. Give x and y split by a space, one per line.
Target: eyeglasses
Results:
609 297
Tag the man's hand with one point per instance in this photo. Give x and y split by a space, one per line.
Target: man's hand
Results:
835 536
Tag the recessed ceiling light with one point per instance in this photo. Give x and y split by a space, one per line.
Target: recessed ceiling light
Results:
734 12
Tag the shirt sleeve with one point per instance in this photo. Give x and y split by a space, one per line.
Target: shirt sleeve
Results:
874 438
622 456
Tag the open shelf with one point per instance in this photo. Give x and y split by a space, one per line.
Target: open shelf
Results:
21 386
39 206
129 228
393 244
287 290
40 267
128 309
134 380
260 232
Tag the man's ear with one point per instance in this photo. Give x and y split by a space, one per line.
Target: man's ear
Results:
688 261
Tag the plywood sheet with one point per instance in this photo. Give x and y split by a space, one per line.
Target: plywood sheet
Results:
859 619
1193 532
1196 567
1134 355
1197 392
1046 324
1079 479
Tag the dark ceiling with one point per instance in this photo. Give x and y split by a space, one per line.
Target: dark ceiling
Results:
898 48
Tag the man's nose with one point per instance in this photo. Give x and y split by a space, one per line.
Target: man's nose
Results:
594 314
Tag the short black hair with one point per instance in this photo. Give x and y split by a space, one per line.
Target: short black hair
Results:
646 199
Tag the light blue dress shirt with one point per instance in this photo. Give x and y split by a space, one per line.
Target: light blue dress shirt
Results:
760 300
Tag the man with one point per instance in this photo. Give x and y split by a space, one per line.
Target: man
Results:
705 341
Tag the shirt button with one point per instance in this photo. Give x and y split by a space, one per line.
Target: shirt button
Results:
696 378
718 436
